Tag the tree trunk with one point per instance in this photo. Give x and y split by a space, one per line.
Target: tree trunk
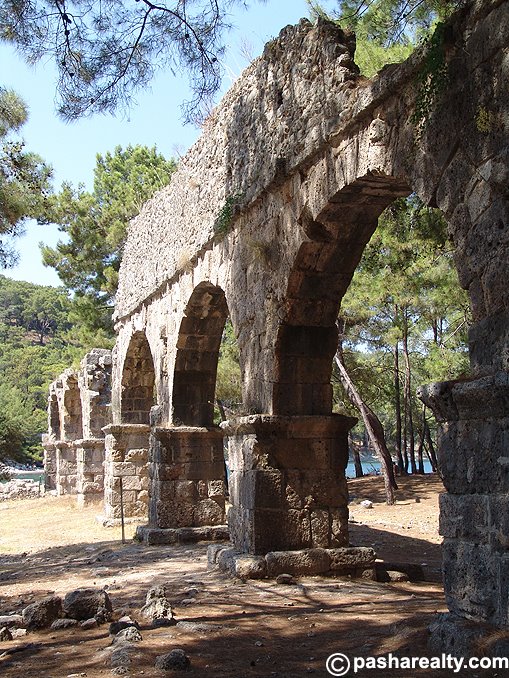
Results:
409 424
420 449
221 409
373 426
397 408
431 448
359 473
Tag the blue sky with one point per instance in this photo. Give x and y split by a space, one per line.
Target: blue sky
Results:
71 148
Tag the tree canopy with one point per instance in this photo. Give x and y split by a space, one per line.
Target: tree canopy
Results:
386 30
404 320
24 177
95 225
37 342
105 51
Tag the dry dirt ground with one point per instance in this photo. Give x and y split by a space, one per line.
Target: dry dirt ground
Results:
234 628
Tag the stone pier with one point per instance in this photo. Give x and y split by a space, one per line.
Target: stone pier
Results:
78 408
187 486
288 473
126 463
473 454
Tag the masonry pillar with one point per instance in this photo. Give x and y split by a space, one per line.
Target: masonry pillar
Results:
90 470
287 482
66 476
126 457
50 462
473 455
187 486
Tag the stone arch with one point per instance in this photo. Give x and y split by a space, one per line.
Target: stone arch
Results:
320 275
73 414
198 343
138 381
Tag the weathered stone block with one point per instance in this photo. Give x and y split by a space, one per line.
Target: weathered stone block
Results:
121 469
185 491
137 455
351 557
216 489
472 458
167 471
306 562
92 488
174 515
465 516
213 551
471 576
131 483
209 512
320 528
339 527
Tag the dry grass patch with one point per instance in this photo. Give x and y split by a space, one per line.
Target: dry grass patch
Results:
30 525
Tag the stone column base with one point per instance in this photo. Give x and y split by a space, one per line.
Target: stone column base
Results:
126 457
66 477
151 536
460 637
287 482
473 457
90 471
50 463
348 561
187 478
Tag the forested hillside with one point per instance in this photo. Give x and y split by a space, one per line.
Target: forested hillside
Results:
38 340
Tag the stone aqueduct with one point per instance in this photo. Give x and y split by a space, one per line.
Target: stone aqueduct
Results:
265 221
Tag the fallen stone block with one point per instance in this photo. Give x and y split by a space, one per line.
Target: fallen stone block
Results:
346 558
158 608
83 604
43 613
304 562
176 660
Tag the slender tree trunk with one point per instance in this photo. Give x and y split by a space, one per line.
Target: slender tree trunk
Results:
431 448
359 473
410 437
221 409
405 429
420 448
397 408
373 426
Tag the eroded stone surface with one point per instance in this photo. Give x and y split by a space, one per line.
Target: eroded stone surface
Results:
42 613
83 604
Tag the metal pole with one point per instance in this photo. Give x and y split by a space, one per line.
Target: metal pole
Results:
122 510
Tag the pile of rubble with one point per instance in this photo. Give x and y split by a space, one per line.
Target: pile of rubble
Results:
17 488
89 608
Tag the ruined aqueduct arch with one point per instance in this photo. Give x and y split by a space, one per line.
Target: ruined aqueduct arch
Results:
266 219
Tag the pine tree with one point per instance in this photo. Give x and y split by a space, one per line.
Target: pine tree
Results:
95 224
24 177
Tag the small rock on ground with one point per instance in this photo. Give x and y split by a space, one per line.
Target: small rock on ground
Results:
5 634
63 624
129 634
285 579
42 613
176 660
89 624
